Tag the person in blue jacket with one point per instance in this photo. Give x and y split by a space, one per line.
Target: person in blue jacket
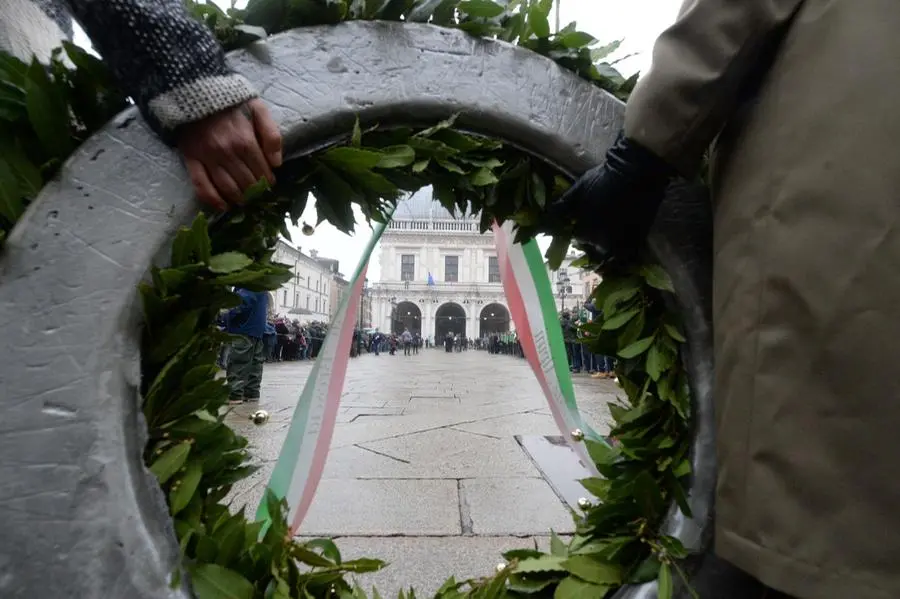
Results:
245 360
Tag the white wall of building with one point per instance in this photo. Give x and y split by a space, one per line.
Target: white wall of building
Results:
571 278
306 297
425 231
339 287
589 280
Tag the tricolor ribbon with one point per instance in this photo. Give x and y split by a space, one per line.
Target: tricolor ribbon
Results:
533 309
530 296
302 459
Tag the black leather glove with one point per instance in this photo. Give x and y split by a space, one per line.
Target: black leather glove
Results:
612 206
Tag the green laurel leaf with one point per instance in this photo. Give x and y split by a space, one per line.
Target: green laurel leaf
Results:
229 262
636 348
184 487
166 465
665 582
212 581
573 588
481 8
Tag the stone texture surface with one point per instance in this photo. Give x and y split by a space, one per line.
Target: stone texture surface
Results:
515 506
436 491
384 507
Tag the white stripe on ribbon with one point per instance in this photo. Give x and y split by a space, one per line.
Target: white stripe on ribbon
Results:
520 285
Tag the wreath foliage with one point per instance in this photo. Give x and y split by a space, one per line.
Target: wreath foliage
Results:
46 113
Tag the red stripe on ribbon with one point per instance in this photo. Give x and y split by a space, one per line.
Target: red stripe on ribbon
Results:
332 403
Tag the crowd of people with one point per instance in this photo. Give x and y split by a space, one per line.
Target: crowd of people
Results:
288 340
260 336
455 342
376 342
502 343
581 359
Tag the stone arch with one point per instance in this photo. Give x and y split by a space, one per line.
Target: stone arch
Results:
493 318
450 317
406 315
82 406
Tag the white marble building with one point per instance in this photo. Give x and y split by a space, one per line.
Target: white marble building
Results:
306 297
438 274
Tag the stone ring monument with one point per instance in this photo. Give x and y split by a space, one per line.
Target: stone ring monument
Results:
81 516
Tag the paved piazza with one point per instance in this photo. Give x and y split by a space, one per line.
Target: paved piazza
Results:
425 471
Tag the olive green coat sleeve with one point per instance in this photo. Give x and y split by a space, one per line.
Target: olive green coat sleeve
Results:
700 65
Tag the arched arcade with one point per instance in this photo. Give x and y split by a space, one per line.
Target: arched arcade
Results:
406 316
494 318
449 318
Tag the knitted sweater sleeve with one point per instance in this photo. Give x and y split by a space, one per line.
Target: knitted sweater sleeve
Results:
169 63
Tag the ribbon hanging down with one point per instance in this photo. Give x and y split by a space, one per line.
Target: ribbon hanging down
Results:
301 461
302 458
533 309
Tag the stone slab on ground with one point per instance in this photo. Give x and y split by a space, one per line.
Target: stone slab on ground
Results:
358 462
525 423
426 562
434 479
448 453
514 506
354 414
362 432
559 465
384 507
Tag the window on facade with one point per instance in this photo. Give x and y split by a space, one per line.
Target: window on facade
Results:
284 300
407 267
317 304
493 270
296 299
451 268
307 302
317 285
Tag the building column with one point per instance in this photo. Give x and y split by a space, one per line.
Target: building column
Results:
379 316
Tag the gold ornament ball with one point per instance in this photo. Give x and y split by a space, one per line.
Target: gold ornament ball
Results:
259 417
501 567
578 435
308 229
584 503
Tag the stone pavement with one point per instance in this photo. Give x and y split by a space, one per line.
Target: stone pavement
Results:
425 471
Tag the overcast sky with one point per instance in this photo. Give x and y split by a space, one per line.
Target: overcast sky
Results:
636 22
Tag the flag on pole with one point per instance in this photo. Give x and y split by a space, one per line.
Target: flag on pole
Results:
430 280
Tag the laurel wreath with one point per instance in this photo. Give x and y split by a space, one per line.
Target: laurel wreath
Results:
196 457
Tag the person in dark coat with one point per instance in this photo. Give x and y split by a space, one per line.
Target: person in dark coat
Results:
175 70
